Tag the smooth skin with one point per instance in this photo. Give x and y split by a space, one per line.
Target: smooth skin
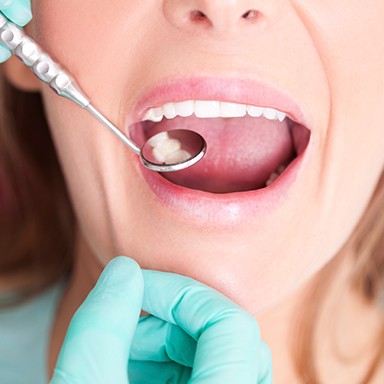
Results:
194 334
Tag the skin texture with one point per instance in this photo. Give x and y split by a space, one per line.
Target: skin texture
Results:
321 58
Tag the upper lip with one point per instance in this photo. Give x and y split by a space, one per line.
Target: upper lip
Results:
226 88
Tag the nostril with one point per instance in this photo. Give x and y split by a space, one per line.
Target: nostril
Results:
228 18
250 15
197 15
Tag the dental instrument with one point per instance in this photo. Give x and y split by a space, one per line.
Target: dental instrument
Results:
165 152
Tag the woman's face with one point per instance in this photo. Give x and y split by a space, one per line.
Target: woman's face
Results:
321 62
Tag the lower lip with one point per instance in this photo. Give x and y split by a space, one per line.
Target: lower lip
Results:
224 210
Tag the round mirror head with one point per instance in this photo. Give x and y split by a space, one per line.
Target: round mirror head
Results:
173 150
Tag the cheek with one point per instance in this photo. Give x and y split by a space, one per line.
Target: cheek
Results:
66 122
68 30
353 54
86 151
88 37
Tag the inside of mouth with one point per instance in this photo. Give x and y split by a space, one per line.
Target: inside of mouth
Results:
243 154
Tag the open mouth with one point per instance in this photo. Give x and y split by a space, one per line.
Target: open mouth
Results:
249 146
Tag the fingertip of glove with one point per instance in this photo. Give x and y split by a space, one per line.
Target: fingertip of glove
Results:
5 54
123 273
124 263
5 3
20 15
59 377
23 17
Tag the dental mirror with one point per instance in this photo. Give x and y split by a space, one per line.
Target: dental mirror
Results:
173 150
165 152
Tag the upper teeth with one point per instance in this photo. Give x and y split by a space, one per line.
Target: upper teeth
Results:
211 109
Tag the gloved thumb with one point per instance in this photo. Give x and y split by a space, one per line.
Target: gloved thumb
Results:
97 344
18 11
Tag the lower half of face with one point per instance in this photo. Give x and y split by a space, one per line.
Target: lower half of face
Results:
288 98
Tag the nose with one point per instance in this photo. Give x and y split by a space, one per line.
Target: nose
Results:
222 16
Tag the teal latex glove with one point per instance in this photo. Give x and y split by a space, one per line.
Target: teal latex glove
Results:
194 334
19 12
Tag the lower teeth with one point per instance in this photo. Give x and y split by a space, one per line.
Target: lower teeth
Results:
274 175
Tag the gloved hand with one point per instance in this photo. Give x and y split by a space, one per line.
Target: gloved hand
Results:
194 334
19 12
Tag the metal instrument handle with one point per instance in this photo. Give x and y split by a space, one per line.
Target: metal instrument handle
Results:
51 73
43 66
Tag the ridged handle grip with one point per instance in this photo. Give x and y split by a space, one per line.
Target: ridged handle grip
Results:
42 65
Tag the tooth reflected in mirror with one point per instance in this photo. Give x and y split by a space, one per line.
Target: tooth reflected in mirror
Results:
179 148
168 150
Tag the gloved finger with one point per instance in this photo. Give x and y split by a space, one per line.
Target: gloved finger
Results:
160 341
228 337
18 11
5 54
150 372
97 344
5 4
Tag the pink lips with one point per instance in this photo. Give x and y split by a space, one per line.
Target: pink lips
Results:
231 208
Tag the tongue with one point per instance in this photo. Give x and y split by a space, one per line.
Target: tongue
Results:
242 152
